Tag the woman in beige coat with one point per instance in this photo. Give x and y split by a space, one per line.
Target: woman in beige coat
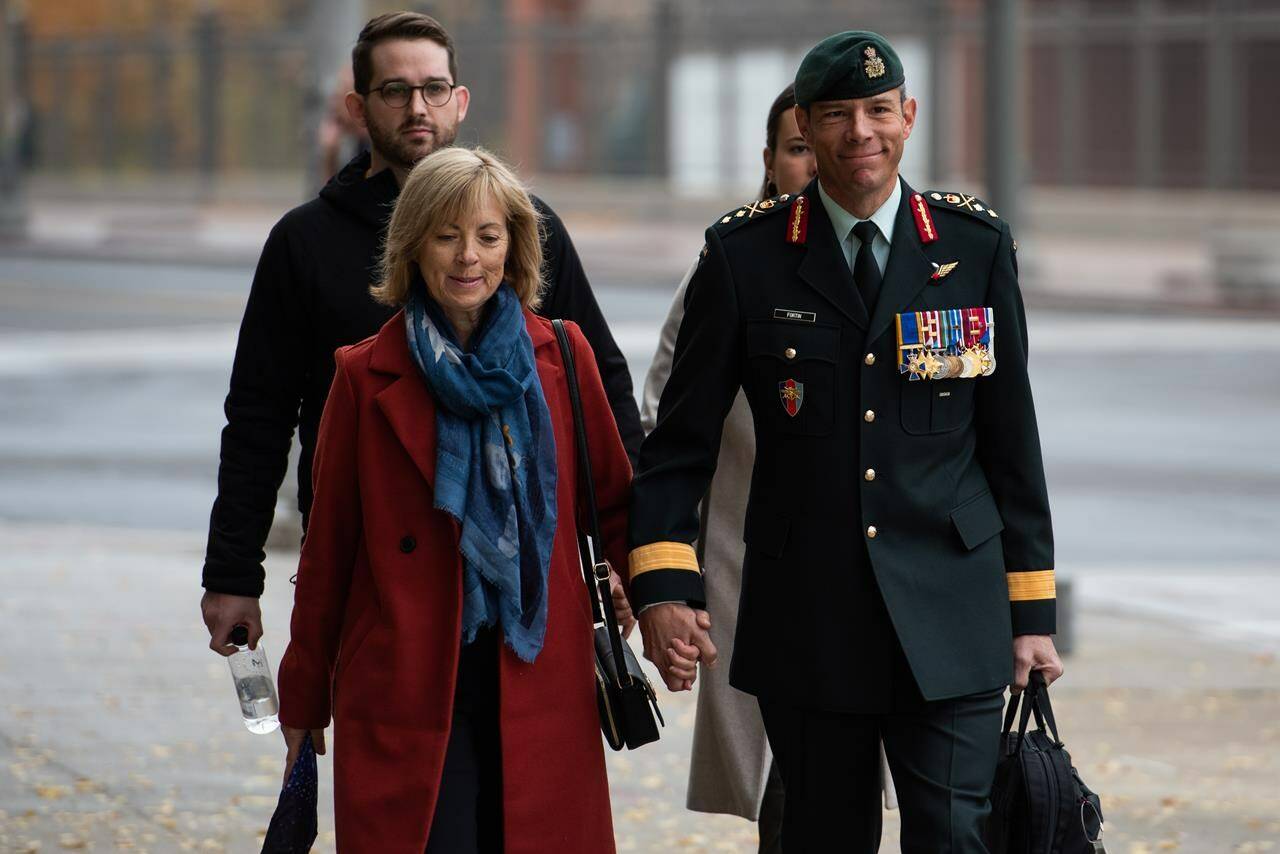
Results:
731 770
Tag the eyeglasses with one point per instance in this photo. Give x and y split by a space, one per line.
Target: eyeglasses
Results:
436 93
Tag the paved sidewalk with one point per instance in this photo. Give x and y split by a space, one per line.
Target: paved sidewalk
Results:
119 731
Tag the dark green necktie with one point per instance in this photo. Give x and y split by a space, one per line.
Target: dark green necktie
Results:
866 272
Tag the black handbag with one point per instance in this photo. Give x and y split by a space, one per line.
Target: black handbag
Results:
1039 804
626 699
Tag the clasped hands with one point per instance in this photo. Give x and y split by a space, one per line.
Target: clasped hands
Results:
676 638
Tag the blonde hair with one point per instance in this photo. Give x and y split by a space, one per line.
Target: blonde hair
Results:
437 191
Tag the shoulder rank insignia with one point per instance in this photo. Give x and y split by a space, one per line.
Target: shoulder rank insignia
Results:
946 344
798 222
941 271
964 203
749 211
924 222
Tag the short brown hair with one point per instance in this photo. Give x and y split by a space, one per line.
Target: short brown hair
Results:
397 25
442 186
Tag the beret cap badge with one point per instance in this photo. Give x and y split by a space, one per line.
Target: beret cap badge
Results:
851 64
874 65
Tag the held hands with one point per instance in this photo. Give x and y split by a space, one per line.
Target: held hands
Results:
1034 652
676 637
293 739
222 612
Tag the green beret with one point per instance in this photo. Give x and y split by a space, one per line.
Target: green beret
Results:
854 64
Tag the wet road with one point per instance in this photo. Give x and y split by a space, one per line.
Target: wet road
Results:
1158 431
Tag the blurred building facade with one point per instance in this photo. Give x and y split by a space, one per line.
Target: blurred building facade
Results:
1121 93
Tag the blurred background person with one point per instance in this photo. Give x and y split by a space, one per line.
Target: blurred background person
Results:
440 572
309 296
340 137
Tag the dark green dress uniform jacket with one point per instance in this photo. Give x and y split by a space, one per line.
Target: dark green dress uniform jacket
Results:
883 507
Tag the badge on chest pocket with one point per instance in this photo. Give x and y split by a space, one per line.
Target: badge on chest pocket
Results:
792 394
790 376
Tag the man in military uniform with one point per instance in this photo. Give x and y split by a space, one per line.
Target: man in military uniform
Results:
899 549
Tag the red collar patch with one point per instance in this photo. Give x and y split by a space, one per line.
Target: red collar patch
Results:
798 222
924 222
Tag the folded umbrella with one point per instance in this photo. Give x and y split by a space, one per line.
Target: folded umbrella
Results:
293 826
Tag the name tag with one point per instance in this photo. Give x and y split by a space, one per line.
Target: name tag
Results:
792 314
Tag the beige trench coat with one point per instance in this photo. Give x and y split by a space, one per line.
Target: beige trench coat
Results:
731 756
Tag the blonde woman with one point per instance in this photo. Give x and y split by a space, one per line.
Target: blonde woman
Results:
439 590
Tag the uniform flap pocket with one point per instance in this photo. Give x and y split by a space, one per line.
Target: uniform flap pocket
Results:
977 520
793 342
767 534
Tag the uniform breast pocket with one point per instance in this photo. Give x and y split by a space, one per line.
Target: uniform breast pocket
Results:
936 406
791 375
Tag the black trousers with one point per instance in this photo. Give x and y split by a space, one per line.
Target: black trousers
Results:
468 817
942 756
771 808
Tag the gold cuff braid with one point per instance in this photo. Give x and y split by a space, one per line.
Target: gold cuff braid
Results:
663 556
1030 586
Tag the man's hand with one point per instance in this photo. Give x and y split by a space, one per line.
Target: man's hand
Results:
675 638
1034 652
293 739
621 607
222 612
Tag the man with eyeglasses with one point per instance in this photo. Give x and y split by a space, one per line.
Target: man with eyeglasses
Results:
310 295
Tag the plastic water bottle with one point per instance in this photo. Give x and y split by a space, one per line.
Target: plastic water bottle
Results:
254 685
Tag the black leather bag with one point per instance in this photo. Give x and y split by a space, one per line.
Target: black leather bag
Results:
626 700
1039 804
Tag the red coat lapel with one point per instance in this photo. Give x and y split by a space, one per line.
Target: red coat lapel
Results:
405 402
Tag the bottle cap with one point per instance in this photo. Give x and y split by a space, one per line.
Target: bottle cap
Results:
240 635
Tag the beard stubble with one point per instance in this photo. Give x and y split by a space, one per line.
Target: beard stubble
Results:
401 153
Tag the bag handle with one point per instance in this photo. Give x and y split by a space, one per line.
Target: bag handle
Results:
1034 700
1044 711
595 571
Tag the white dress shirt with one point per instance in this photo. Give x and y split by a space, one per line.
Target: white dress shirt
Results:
843 222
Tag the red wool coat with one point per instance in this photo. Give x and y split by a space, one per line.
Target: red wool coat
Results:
378 607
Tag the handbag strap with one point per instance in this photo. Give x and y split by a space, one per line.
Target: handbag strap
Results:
595 572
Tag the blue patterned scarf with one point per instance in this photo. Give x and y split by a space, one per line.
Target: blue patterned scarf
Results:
495 463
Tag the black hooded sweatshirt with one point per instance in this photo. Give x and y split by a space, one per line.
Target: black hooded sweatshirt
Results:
310 295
